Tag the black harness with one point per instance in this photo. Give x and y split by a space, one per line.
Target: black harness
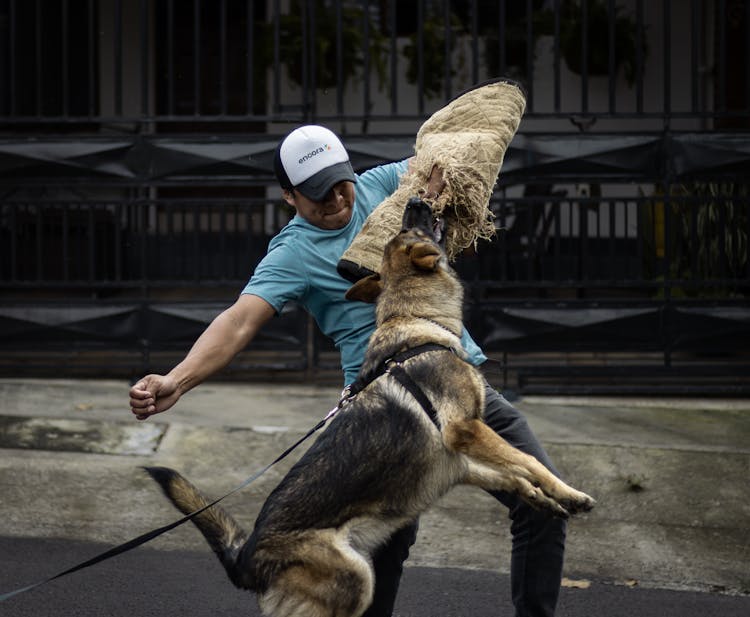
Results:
394 366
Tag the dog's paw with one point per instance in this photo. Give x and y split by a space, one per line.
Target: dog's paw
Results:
539 500
560 503
578 502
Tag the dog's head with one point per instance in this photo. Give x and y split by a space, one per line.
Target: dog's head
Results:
415 253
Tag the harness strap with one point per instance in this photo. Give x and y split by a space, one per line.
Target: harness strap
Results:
412 387
403 356
363 381
393 366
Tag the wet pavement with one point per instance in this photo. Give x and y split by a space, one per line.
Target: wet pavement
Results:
670 477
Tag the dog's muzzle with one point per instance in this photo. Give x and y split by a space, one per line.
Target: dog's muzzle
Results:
418 215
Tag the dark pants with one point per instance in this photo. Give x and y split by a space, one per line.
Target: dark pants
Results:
538 539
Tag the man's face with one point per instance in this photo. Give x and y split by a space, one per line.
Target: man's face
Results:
333 212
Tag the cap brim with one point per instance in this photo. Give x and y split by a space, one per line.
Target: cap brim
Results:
317 186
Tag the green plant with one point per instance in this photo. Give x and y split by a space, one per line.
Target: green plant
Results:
516 47
598 35
434 57
707 228
322 41
713 224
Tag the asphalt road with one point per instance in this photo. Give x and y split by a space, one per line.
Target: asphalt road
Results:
148 582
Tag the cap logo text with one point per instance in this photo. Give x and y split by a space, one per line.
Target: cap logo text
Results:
309 155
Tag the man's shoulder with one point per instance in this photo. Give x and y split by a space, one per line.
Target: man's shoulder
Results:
390 170
379 182
290 233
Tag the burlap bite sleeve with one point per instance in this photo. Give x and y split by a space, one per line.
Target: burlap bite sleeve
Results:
467 139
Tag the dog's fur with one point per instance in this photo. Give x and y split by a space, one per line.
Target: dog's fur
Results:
381 462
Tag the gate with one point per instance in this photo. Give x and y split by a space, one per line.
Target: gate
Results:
136 142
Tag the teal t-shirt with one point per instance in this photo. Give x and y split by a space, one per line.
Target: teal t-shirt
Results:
300 266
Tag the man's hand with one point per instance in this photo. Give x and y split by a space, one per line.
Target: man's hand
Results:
435 183
153 394
228 334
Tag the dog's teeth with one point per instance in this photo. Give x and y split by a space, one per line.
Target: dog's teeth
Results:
437 229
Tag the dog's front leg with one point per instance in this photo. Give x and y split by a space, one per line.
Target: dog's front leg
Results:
494 464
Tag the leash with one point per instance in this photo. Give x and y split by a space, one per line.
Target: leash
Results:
147 537
391 366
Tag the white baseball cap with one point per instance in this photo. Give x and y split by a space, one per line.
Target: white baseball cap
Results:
312 159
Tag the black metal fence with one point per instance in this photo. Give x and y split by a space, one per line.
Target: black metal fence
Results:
136 139
369 65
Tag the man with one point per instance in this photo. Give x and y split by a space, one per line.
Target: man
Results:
331 204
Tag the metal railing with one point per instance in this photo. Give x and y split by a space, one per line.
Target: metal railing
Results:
681 243
136 140
371 66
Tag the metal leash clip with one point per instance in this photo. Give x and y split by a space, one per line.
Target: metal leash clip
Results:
346 397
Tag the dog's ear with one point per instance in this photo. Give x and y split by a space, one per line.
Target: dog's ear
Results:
425 256
366 289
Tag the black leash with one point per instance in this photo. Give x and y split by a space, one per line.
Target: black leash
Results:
391 366
147 537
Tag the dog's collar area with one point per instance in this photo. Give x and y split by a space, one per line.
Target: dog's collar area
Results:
446 328
432 321
412 352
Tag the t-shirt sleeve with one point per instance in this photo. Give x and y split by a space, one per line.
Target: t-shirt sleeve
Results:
279 277
377 183
473 351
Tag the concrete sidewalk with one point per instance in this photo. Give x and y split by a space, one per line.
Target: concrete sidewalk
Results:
670 476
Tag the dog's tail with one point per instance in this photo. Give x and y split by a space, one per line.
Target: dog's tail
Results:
222 532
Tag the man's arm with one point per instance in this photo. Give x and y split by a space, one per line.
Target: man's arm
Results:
435 183
228 334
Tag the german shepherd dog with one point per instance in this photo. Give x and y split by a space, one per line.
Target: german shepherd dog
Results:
382 460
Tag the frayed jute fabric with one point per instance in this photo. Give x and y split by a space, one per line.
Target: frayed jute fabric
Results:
467 139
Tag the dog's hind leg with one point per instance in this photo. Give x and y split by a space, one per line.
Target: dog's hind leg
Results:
496 465
333 581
